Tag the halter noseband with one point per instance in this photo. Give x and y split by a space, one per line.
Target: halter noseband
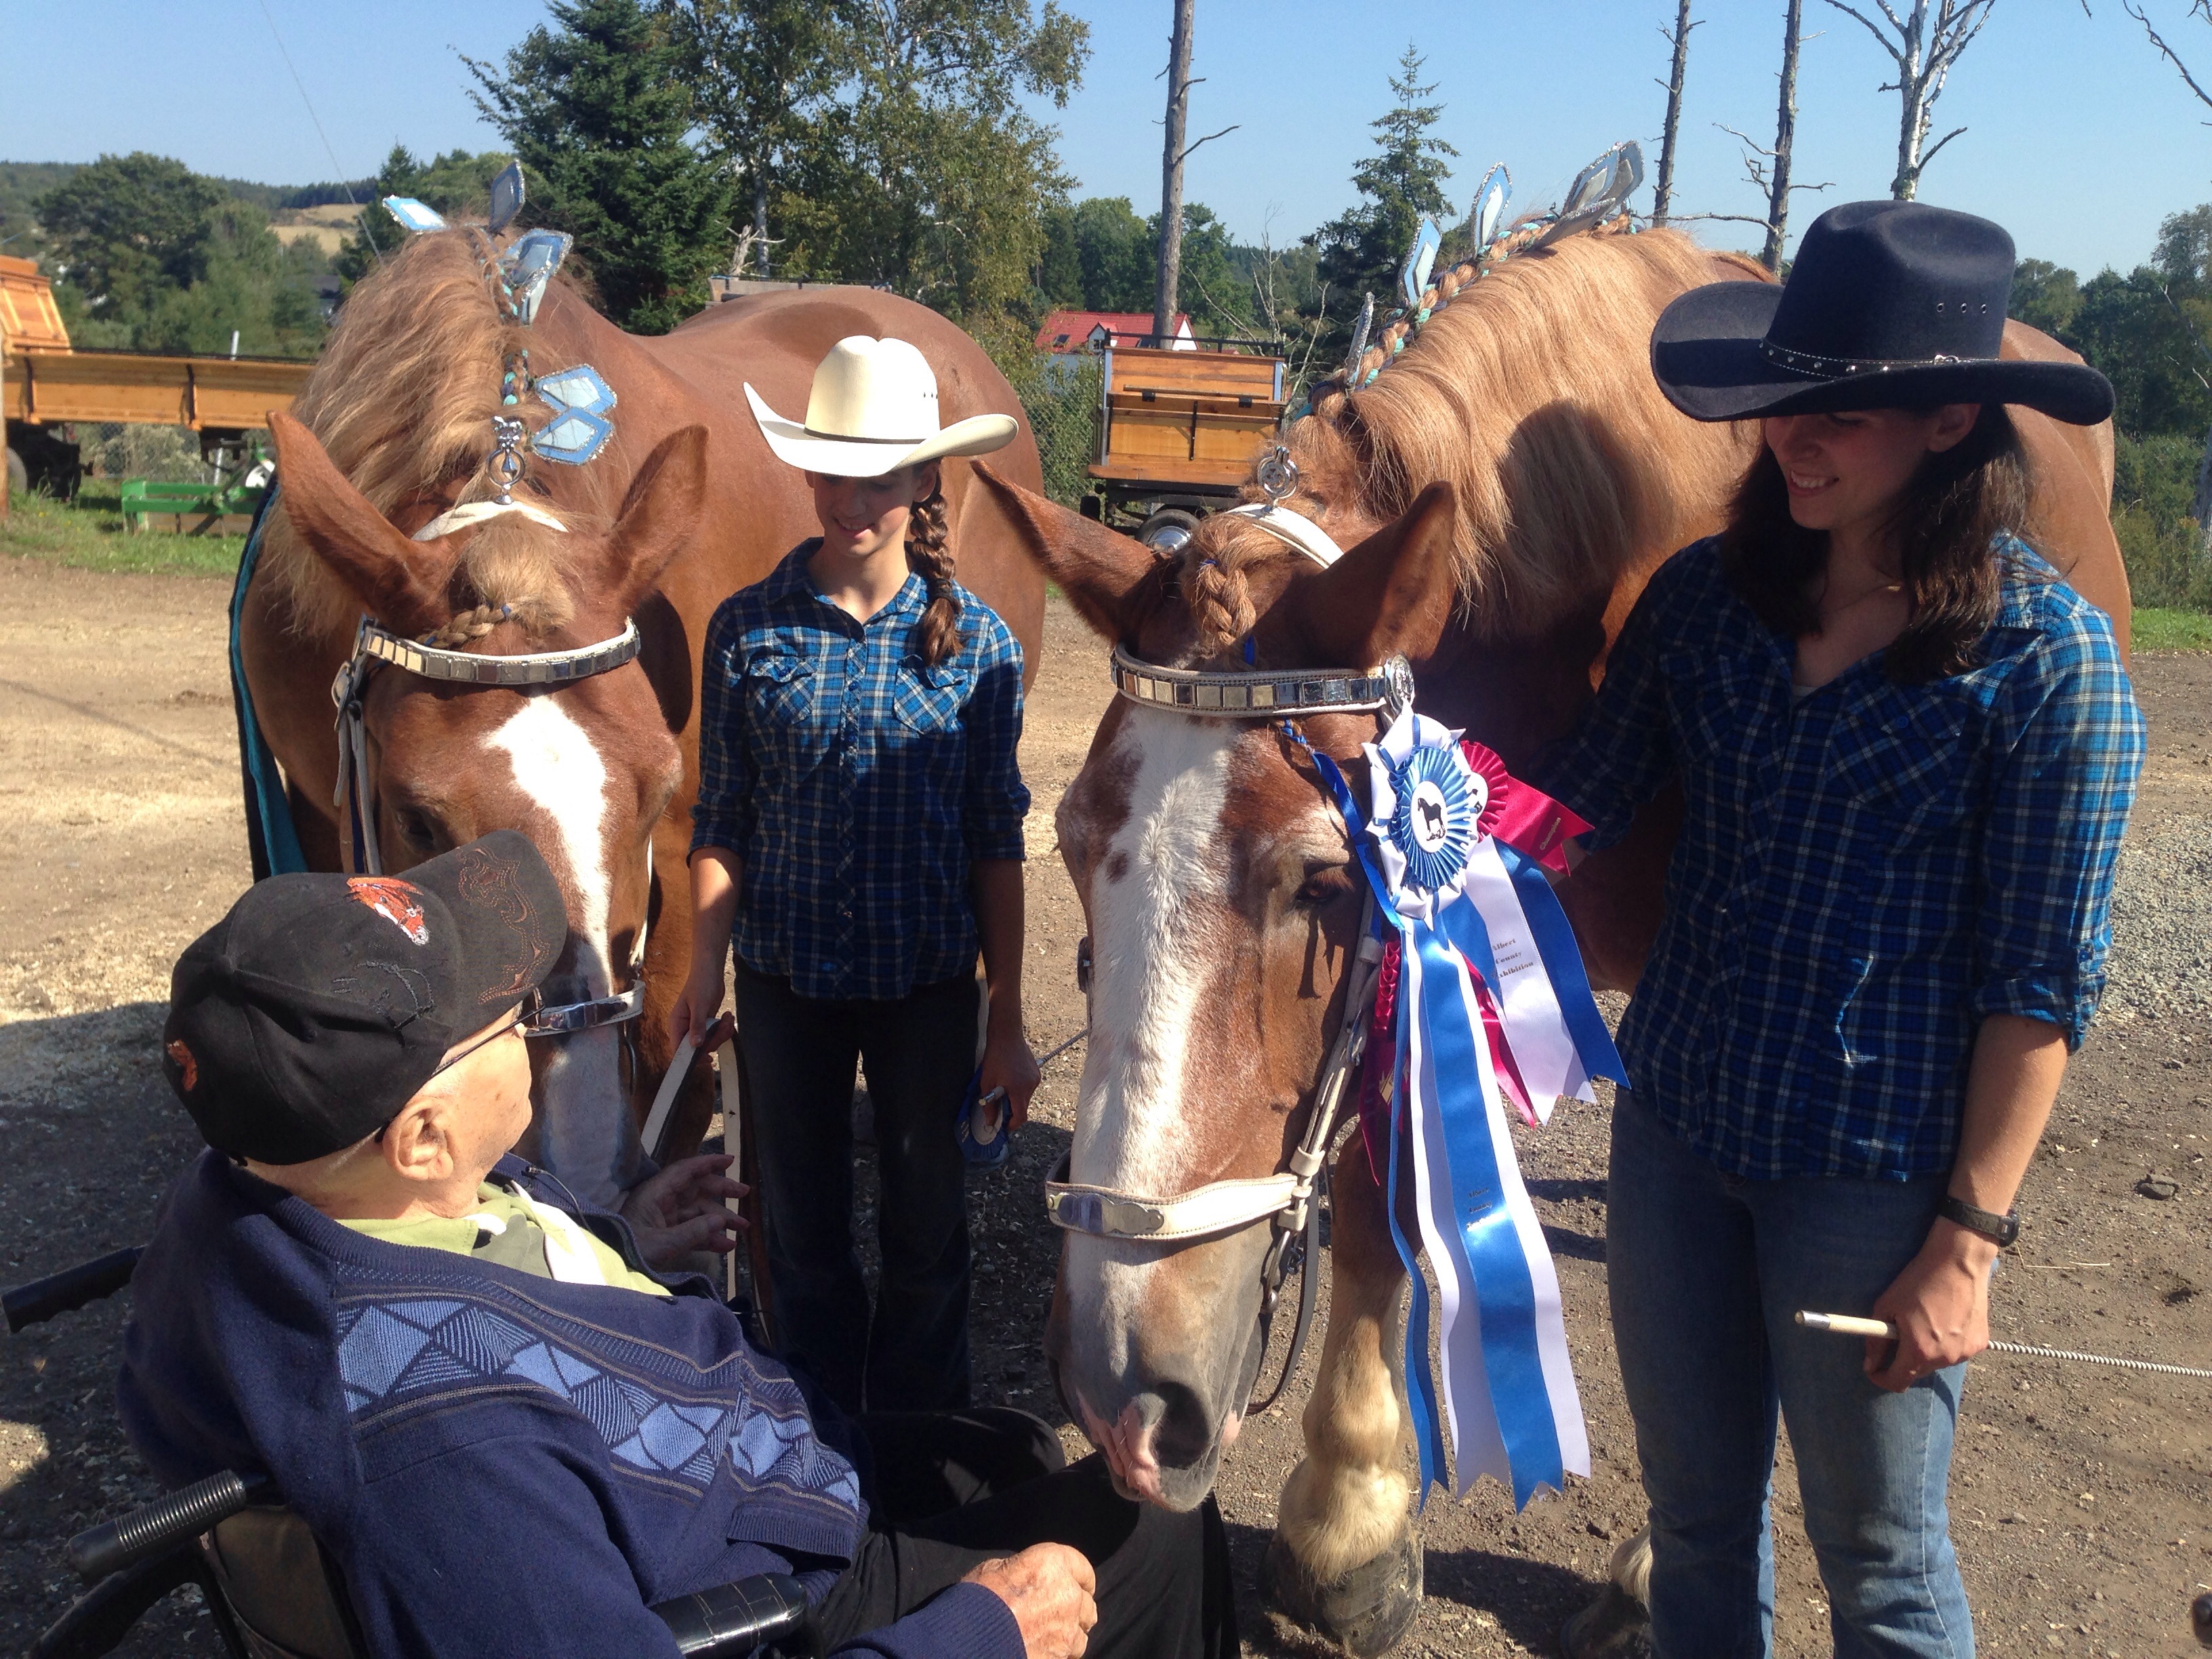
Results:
1287 1196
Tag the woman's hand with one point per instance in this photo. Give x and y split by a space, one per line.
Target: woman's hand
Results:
1049 1589
1941 1307
697 1003
1009 1064
683 1209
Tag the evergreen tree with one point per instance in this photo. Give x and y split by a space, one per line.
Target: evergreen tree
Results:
455 183
1402 181
601 114
1098 256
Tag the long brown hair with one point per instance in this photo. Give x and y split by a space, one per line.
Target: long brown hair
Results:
929 556
1945 522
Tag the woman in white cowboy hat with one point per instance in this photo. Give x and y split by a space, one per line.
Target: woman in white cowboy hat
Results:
1906 750
859 834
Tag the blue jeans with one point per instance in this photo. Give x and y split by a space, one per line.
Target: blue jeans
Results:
1707 1272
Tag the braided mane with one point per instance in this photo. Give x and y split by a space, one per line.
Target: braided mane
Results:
1531 393
402 401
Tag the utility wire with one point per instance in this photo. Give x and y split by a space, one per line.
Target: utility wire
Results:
337 167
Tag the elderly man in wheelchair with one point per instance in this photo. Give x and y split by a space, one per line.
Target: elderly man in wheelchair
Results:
506 1431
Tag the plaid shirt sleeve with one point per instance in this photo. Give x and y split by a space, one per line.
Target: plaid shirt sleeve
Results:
1621 751
720 816
995 800
2062 791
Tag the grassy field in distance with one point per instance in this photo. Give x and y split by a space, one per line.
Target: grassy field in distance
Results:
88 533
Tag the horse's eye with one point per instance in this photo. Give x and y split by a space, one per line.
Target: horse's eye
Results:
415 827
1324 885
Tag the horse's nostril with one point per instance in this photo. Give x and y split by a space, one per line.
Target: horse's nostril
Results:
1185 1433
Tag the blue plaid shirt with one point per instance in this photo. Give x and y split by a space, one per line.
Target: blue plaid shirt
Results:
858 784
1861 878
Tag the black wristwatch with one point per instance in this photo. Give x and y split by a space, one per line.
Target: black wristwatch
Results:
1999 1229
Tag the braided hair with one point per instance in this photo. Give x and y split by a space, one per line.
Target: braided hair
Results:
929 556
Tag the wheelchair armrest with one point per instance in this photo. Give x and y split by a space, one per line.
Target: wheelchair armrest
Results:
170 1520
98 1620
732 1621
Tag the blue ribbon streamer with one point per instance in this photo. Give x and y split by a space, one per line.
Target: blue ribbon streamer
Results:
1506 1302
271 837
1562 961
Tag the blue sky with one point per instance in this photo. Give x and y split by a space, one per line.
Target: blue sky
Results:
2079 139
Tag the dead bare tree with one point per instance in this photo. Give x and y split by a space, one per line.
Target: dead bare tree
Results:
1768 168
1663 192
1924 50
1172 157
2197 9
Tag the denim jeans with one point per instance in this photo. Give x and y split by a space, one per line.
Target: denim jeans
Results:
1707 1272
911 1354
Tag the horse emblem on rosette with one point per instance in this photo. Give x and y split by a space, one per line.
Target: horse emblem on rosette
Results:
1482 490
500 528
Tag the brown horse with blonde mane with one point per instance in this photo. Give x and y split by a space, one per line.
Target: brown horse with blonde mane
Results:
683 506
1506 485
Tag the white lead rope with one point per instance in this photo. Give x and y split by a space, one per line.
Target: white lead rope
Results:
1847 1325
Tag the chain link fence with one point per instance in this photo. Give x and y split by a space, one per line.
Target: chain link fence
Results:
1060 395
165 454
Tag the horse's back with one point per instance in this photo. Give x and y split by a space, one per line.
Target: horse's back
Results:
2071 470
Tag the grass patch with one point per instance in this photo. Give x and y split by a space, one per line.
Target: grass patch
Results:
2156 629
88 534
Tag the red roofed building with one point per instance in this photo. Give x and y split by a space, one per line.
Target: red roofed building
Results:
1081 330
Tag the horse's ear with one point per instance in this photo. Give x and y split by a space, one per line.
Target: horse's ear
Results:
401 583
659 514
1392 593
1098 570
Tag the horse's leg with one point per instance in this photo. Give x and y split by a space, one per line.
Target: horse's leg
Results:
1616 1625
1345 1559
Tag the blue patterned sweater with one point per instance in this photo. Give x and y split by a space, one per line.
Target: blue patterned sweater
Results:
499 1463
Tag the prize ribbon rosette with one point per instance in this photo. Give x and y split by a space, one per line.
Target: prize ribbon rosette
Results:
1482 999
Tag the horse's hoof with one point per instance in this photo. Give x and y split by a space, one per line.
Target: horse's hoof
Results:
1614 1626
1367 1609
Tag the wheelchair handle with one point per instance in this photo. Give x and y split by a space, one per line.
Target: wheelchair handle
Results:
69 1289
170 1520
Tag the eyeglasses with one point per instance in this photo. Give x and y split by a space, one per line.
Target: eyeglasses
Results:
519 1026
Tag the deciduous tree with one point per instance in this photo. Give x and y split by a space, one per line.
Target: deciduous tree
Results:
127 227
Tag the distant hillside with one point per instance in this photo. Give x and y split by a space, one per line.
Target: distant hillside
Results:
22 183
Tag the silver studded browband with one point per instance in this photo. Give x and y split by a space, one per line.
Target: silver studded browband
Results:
532 668
1260 694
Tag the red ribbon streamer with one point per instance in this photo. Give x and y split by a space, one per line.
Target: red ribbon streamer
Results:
1522 816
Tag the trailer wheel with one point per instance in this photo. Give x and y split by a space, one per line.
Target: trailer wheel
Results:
18 476
1168 530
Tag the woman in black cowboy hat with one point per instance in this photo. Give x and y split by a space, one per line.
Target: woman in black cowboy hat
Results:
1906 750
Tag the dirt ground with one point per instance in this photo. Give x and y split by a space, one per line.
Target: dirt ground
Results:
2080 1495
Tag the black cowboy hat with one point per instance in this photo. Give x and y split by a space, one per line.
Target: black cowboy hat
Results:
1889 304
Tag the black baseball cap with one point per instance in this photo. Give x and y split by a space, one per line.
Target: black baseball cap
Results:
308 1017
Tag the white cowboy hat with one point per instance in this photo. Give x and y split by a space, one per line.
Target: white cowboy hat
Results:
873 409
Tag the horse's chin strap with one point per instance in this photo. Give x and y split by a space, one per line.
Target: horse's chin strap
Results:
373 646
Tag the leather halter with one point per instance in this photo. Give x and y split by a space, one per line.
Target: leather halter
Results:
374 646
1288 1197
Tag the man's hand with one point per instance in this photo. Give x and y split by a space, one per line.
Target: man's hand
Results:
1009 1064
1941 1307
681 1210
1049 1587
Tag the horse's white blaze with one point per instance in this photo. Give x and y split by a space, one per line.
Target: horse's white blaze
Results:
1151 954
585 1128
557 765
1149 943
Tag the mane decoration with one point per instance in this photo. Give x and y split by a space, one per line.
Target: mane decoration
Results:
1594 203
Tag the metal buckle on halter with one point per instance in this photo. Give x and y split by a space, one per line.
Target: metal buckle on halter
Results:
562 1018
